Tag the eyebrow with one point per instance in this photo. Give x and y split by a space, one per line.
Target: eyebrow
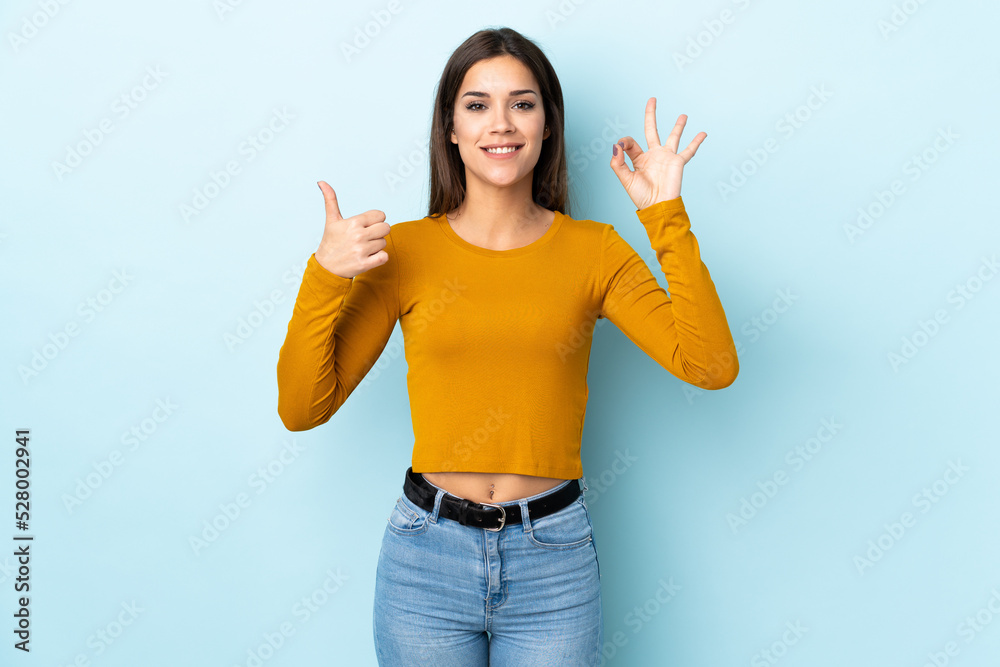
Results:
513 93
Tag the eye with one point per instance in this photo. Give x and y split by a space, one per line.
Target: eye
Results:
528 105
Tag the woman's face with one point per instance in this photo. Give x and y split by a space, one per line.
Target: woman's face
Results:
499 104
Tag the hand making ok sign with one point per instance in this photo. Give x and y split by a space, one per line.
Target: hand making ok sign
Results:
658 170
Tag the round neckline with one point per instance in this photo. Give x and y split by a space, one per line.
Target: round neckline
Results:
445 227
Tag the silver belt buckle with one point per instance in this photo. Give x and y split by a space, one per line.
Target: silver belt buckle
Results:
503 517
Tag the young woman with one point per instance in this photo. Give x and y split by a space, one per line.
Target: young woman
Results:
488 556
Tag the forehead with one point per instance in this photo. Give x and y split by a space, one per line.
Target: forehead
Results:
498 76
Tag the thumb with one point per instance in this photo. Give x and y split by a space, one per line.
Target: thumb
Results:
330 200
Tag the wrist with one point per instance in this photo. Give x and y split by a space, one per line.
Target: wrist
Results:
327 265
671 201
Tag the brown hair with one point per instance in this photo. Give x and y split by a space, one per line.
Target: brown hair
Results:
549 184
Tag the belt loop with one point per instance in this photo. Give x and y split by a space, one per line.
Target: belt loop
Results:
436 510
583 483
463 510
525 519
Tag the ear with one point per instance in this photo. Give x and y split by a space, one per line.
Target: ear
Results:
454 137
547 133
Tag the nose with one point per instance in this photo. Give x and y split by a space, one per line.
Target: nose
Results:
500 121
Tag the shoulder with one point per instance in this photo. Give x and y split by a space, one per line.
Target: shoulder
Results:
410 226
596 233
584 227
409 232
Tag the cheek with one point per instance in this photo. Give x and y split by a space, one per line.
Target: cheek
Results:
538 124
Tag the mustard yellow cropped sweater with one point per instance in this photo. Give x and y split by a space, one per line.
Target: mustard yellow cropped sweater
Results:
497 342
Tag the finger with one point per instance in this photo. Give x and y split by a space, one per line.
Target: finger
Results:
631 148
371 228
652 136
377 259
692 147
375 242
330 200
618 162
373 247
674 139
375 231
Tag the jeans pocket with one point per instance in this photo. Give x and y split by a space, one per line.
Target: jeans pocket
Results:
407 518
568 528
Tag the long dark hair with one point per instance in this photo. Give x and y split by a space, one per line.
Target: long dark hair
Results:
549 184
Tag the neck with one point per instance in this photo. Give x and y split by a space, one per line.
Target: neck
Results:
498 211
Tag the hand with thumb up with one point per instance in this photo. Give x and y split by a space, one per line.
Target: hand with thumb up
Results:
351 245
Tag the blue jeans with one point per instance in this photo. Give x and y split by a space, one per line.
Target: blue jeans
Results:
450 595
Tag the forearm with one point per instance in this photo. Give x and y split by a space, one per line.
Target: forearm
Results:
308 385
703 344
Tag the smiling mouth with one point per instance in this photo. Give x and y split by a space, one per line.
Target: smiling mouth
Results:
502 151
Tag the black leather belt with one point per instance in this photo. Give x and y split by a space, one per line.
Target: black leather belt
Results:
484 515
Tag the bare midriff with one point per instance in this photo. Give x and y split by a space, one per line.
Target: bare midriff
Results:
488 487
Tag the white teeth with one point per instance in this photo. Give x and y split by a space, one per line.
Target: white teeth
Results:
508 149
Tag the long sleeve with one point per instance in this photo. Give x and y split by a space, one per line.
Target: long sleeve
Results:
338 329
685 332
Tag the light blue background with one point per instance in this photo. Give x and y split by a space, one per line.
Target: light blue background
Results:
692 456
